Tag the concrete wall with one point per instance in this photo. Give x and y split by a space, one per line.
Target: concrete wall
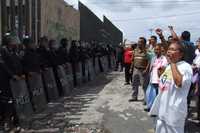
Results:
59 20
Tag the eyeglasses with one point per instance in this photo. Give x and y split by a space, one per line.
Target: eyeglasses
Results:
172 49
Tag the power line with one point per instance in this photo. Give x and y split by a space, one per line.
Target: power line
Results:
157 17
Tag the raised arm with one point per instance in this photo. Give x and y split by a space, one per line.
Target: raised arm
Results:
173 33
161 36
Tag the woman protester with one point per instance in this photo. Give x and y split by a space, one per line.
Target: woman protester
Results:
158 64
170 104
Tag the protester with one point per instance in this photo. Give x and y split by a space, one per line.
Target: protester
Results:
196 78
158 64
139 66
163 50
119 58
152 43
127 63
189 46
171 103
165 43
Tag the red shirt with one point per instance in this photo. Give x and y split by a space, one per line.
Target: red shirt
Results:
128 55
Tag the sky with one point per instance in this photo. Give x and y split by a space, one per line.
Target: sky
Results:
137 18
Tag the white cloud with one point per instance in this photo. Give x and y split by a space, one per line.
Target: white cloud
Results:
138 16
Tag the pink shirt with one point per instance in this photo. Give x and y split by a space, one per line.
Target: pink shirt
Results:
155 65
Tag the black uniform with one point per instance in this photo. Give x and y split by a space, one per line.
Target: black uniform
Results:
73 56
10 66
55 61
31 61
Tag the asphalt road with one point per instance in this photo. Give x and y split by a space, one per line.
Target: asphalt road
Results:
100 106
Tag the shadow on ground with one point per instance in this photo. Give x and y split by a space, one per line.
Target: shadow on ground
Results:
63 112
192 124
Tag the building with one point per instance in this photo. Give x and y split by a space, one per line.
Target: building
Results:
36 18
90 25
114 34
92 28
55 19
59 20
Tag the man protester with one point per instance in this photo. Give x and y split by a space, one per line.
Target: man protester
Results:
139 66
188 45
165 43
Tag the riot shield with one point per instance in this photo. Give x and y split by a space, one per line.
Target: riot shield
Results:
105 63
97 69
50 84
37 90
91 70
84 73
21 99
85 77
69 75
113 61
79 73
63 79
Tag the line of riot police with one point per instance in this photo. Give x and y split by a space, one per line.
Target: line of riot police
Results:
32 75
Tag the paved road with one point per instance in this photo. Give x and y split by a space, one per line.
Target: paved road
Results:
99 106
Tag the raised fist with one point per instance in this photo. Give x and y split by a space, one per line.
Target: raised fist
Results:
170 27
158 31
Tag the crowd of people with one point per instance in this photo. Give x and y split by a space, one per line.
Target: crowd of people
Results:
21 60
168 73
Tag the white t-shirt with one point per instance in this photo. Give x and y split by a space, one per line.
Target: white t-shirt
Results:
173 100
157 62
196 60
197 52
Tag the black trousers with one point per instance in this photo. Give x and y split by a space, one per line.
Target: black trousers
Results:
198 105
7 110
128 75
73 64
119 63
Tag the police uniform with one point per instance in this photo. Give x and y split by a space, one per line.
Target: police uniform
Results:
10 66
